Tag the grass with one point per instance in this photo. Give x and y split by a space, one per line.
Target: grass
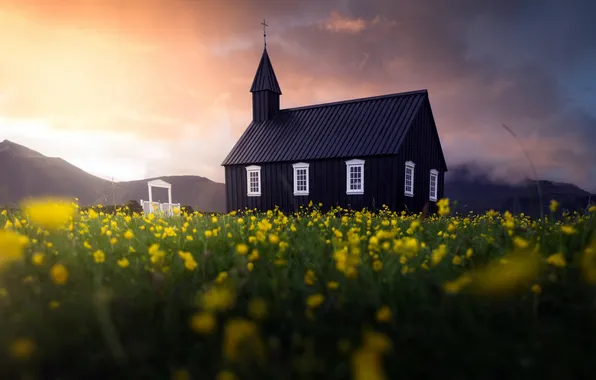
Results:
305 296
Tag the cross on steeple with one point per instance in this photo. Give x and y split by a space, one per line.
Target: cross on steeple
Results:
264 32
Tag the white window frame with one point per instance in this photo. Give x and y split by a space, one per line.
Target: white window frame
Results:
249 170
301 166
409 165
352 164
434 176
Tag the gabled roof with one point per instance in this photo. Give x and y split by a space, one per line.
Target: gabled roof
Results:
351 128
265 78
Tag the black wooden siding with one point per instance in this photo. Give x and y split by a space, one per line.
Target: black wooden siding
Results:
265 104
383 177
421 146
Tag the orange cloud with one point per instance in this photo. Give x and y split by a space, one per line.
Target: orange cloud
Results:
339 23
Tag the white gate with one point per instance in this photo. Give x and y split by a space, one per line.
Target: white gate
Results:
164 208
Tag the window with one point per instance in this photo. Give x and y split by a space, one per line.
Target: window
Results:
432 193
253 181
301 178
355 177
409 180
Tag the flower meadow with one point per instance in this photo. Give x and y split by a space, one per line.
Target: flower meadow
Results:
331 295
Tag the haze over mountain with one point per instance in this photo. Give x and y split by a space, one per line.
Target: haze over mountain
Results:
27 173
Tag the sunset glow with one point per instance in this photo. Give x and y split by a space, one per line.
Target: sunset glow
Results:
134 89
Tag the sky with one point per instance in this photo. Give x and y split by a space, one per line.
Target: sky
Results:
132 89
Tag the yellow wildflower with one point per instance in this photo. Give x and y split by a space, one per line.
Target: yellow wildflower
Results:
536 289
554 205
568 230
50 213
38 258
22 348
203 322
241 339
333 284
11 247
59 274
557 260
384 314
129 235
242 249
99 256
310 277
315 300
218 298
123 263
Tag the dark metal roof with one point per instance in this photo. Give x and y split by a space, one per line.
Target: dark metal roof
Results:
265 78
351 128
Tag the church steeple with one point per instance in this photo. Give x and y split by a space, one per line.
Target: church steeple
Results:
265 89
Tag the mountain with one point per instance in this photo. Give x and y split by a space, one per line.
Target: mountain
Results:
477 192
27 173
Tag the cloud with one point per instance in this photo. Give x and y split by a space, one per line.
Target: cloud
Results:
341 24
177 72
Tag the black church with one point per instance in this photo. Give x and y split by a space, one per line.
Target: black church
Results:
360 153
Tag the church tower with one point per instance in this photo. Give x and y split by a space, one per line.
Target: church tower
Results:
265 89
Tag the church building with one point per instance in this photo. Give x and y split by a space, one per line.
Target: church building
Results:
358 153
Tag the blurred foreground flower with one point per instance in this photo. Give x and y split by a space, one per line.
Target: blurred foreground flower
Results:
49 213
514 271
11 247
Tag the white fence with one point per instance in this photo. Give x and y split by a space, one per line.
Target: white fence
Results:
165 208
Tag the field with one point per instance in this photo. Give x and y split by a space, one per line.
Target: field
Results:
88 295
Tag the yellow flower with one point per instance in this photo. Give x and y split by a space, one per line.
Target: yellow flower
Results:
59 274
250 266
500 278
452 287
315 300
11 247
123 263
203 323
221 277
384 314
242 249
568 230
38 258
310 277
520 243
557 260
241 339
377 342
22 348
218 298
99 256
536 289
367 365
129 235
456 260
377 265
273 239
50 213
333 284
257 308
554 205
